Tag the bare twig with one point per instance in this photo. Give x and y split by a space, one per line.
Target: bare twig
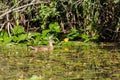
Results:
3 25
6 13
18 8
9 26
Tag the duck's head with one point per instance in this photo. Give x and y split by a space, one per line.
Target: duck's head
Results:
51 41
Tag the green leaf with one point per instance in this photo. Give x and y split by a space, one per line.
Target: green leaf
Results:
7 40
1 39
18 30
5 34
45 32
73 34
14 38
37 39
116 1
35 34
22 37
54 26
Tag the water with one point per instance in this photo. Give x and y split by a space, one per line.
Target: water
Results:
77 62
110 46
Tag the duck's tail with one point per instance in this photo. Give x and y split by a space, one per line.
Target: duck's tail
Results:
31 47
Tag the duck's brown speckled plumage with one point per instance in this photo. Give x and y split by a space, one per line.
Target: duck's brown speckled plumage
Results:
49 48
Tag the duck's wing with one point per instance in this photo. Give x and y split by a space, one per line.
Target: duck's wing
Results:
33 47
44 48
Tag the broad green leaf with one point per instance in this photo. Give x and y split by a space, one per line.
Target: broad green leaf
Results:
7 39
14 38
5 34
22 37
116 1
33 34
18 30
54 26
45 32
73 34
37 39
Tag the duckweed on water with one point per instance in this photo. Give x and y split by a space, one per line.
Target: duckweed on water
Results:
21 63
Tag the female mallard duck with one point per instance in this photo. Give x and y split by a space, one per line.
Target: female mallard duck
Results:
49 48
